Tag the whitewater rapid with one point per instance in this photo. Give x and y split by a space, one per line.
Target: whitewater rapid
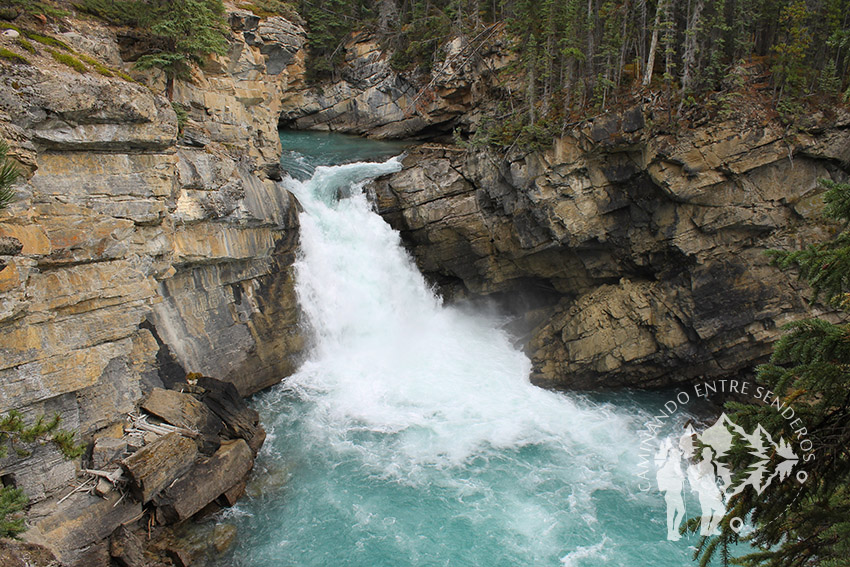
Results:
411 434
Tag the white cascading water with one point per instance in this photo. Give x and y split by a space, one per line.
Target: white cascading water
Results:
412 436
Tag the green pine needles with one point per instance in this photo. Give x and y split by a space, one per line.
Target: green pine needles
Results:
8 175
186 31
183 31
14 432
803 524
12 502
15 438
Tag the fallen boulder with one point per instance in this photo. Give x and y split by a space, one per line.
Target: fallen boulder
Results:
208 480
126 548
185 410
80 521
157 465
106 450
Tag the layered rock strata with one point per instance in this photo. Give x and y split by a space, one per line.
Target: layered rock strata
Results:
137 249
370 97
648 248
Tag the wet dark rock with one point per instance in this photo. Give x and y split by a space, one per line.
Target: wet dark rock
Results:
240 421
224 536
233 494
180 556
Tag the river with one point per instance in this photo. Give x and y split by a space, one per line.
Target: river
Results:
411 434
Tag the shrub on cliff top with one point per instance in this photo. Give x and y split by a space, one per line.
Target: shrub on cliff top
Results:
270 8
36 7
118 12
184 31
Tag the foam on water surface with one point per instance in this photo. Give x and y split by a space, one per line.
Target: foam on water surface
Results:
411 434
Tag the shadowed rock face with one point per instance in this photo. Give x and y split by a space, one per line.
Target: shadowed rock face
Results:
135 253
372 98
648 248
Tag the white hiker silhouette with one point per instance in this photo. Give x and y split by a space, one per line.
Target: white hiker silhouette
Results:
710 477
703 480
671 481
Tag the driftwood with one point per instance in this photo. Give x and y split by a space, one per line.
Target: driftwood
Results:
112 476
181 410
142 425
83 487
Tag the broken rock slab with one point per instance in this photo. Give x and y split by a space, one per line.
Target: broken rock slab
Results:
185 410
239 420
181 410
80 521
208 480
126 548
157 465
107 450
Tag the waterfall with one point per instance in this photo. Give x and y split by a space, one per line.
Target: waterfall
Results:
412 436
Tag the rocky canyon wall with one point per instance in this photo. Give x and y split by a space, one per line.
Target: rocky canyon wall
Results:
643 252
139 249
369 97
136 252
634 251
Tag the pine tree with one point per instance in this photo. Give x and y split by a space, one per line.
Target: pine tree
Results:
330 22
805 523
12 502
186 31
790 68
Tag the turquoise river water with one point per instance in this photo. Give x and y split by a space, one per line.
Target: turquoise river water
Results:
411 435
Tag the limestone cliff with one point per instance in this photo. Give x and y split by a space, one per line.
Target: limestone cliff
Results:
147 252
644 250
635 252
373 99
